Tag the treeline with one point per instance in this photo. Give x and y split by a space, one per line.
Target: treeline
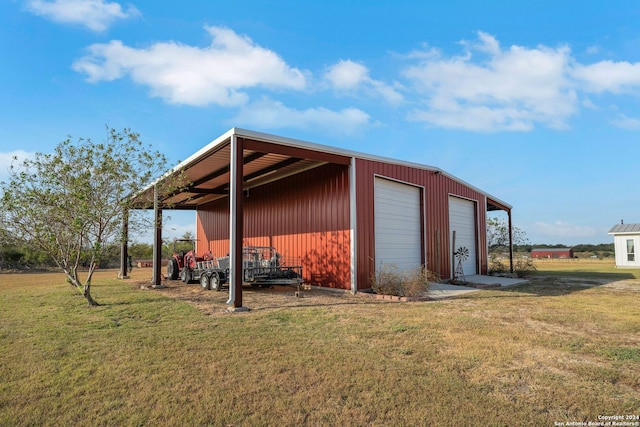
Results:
20 257
585 247
17 256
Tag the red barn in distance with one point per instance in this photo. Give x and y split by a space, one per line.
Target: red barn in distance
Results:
552 253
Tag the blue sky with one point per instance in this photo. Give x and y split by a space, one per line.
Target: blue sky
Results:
536 103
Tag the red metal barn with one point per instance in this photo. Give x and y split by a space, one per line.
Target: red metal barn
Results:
552 253
337 213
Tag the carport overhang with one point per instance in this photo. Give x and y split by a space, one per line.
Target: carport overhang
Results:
229 166
241 160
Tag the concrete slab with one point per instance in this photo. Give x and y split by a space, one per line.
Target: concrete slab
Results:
494 280
445 290
238 309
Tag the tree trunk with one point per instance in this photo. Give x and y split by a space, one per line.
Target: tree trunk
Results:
87 294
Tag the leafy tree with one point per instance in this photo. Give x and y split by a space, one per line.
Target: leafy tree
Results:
141 251
70 203
5 242
498 234
604 247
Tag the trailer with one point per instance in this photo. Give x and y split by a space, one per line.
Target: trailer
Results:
261 267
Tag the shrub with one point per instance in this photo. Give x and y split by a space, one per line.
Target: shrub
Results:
389 280
524 266
521 266
497 267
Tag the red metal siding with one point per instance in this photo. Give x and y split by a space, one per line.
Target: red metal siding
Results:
305 216
437 188
542 253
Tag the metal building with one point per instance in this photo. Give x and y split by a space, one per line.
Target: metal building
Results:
560 253
626 239
337 213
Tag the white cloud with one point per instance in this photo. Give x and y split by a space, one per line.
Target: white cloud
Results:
15 158
97 15
350 76
510 89
561 229
347 75
477 118
218 74
268 114
628 123
609 76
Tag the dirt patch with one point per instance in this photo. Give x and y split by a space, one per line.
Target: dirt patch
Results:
214 303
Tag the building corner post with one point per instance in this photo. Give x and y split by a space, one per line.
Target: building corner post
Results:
124 246
510 244
353 227
156 282
236 222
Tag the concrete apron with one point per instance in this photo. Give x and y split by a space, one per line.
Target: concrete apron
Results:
445 290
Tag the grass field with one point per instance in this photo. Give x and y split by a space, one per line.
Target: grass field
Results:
587 268
555 350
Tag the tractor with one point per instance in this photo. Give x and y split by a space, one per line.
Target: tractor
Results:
182 262
261 267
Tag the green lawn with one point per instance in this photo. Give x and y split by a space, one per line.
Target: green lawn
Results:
587 268
555 350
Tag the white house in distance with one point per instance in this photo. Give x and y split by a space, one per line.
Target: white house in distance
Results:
626 240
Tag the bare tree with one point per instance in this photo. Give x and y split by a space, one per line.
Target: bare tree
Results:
70 203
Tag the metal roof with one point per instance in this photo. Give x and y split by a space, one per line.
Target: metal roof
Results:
550 249
625 229
208 170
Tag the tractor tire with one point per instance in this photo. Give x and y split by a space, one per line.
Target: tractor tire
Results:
204 281
214 282
172 269
188 276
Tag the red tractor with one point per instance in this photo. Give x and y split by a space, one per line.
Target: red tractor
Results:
183 262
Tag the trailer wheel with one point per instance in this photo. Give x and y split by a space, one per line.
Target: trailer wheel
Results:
214 282
173 269
204 281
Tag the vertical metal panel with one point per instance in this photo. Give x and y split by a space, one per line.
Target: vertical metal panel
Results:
305 216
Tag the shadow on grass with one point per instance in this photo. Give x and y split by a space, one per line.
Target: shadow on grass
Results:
586 274
137 301
259 299
556 284
285 298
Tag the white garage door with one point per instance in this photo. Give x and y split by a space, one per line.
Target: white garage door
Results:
462 221
397 225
